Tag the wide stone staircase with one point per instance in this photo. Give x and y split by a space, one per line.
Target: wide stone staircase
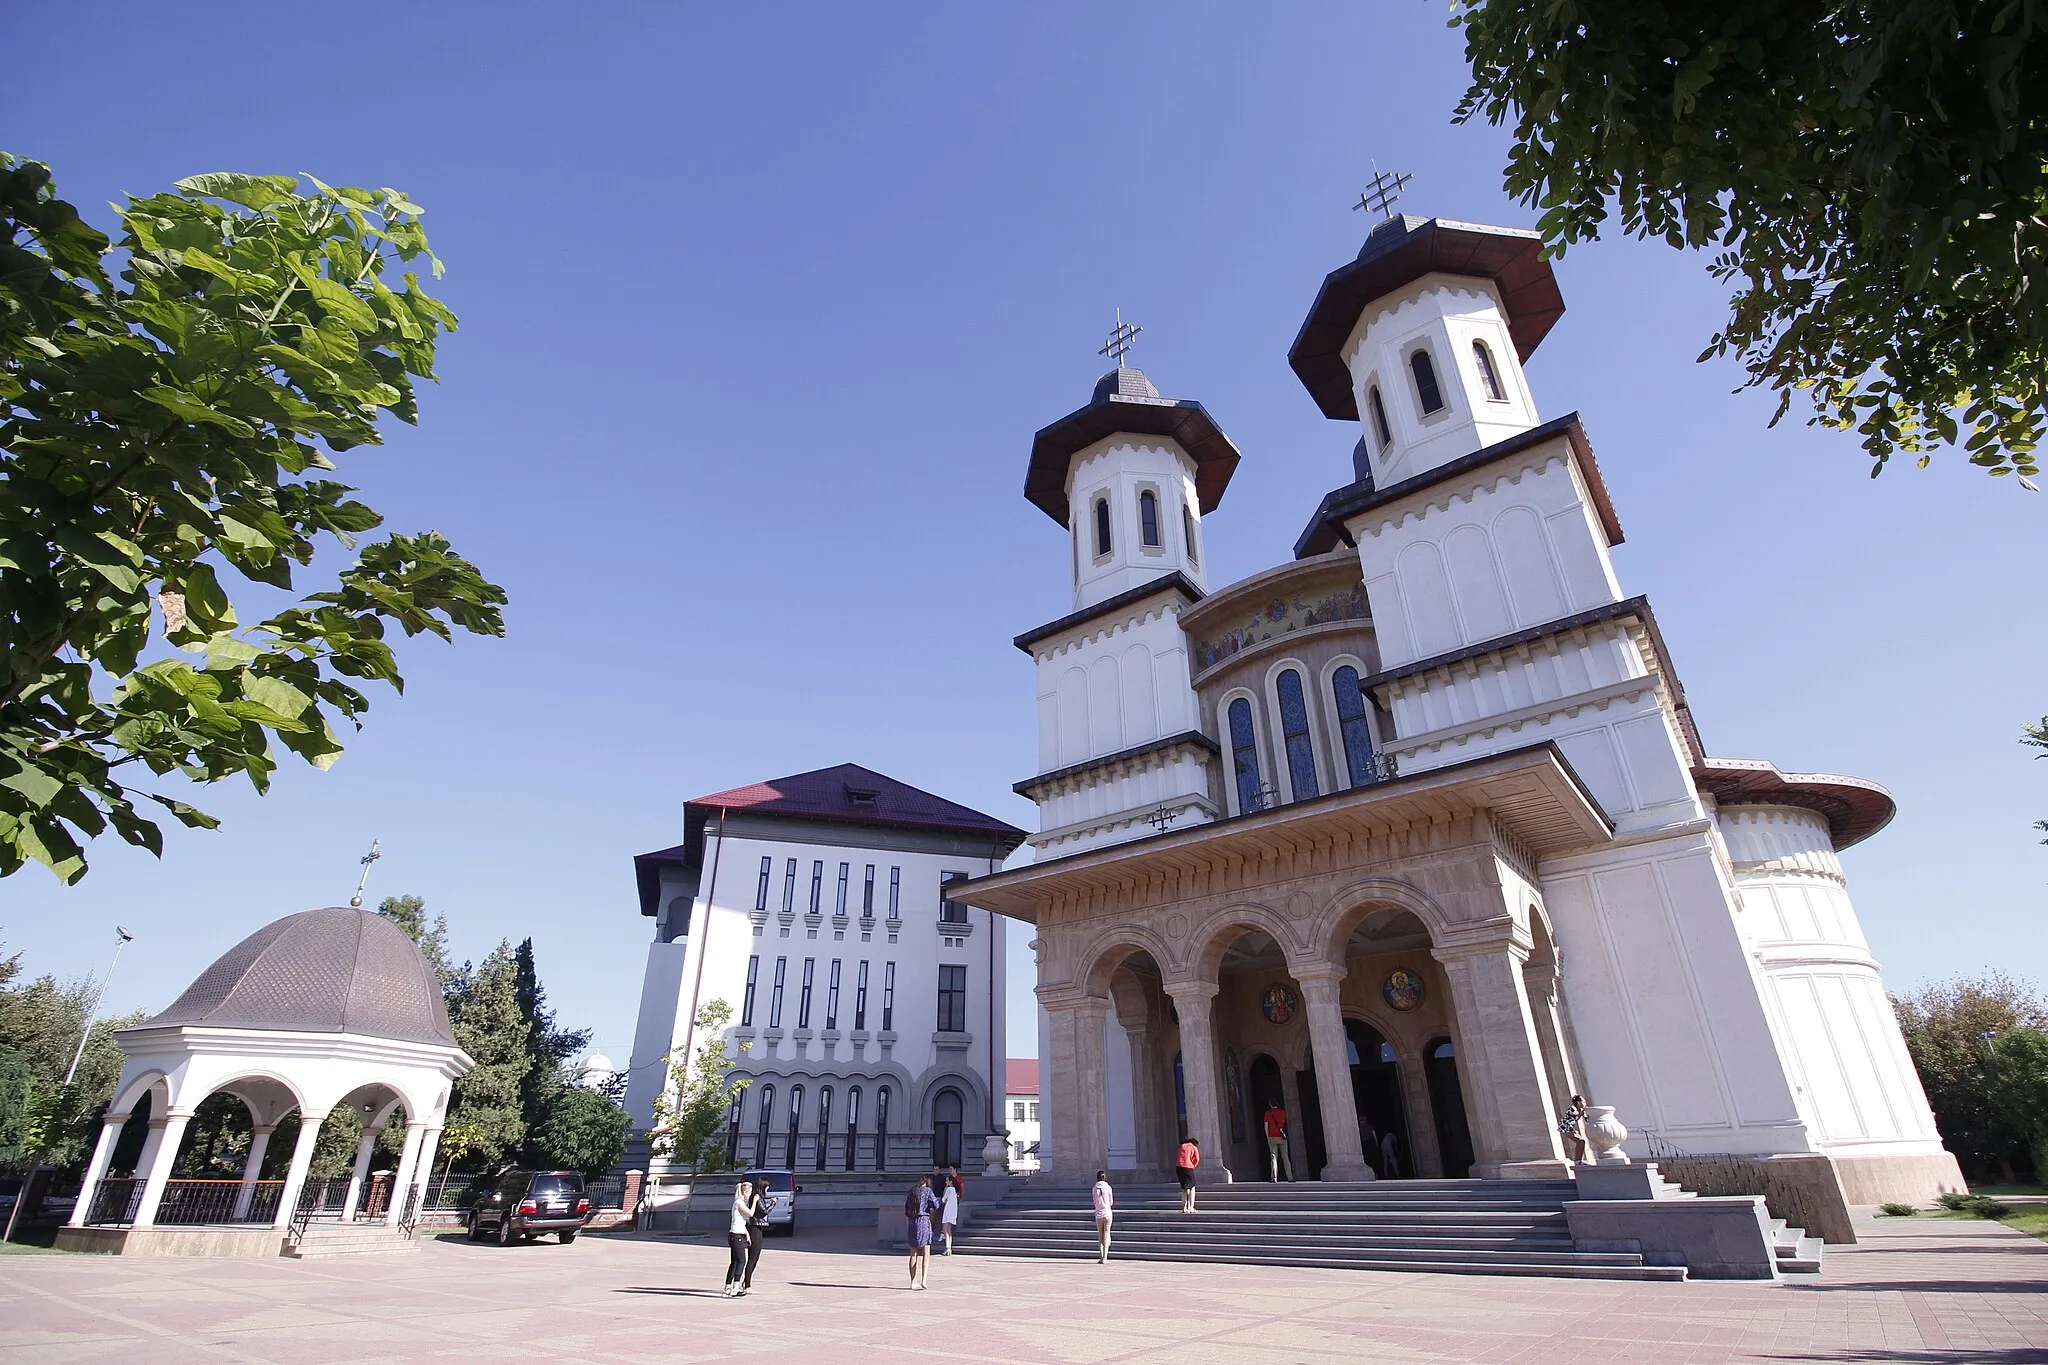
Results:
350 1239
1459 1227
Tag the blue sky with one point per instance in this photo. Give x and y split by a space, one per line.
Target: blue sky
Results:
760 307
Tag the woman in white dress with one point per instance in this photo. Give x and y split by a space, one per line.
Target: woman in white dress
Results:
949 1209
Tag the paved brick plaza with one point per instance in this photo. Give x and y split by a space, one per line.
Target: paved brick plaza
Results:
1913 1291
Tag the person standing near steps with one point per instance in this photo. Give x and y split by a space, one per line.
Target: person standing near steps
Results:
918 1209
1279 1164
1184 1164
1105 1211
739 1237
949 1210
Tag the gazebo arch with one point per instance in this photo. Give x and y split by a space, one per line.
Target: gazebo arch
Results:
316 1010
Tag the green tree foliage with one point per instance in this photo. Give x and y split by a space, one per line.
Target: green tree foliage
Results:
484 1012
1952 1029
583 1131
691 1113
2017 1069
410 914
39 1027
176 421
1873 180
552 1049
2037 738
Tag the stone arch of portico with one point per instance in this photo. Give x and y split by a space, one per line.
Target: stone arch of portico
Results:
1347 908
1231 922
1101 957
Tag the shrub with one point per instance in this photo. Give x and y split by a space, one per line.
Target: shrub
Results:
1955 1201
1985 1207
1899 1210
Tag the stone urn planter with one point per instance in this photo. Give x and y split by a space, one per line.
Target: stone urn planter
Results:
1604 1136
995 1156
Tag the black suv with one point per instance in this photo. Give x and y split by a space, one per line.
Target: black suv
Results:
529 1203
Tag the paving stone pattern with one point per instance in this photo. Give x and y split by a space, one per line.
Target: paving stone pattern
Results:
1917 1290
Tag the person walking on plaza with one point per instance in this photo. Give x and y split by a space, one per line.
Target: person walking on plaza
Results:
918 1209
1184 1164
1572 1126
1105 1211
1278 1161
949 1208
740 1237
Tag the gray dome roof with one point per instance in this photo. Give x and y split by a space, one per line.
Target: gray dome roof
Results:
320 971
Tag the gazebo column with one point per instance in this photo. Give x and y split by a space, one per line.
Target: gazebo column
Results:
302 1161
365 1149
159 1154
401 1181
424 1170
1344 1149
252 1170
1194 1003
96 1171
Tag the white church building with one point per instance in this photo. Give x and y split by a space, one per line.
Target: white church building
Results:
870 1004
1414 831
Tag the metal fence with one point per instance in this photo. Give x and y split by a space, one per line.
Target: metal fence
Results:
115 1202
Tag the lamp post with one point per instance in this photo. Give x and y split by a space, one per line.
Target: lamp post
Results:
122 938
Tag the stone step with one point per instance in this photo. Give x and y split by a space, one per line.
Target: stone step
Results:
1283 1248
1580 1267
1794 1251
359 1239
1294 1223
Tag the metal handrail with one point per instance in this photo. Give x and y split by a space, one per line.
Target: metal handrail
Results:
115 1201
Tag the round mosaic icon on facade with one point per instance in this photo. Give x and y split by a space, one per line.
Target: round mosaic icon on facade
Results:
1278 1004
1403 990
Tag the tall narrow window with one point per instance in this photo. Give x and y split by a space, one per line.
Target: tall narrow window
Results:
895 893
832 998
867 895
888 996
951 911
796 1124
1301 751
860 998
1382 434
732 1130
839 905
789 888
775 996
817 884
952 999
1426 391
1148 518
882 1128
1489 377
761 1125
1187 534
761 891
852 1123
1244 758
1101 527
803 1006
747 1000
824 1123
1357 729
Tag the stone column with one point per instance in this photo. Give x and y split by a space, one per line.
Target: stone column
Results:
1079 1129
1557 1066
424 1171
408 1162
159 1154
365 1149
252 1170
96 1171
1514 1129
1148 1105
1424 1159
1201 1075
295 1174
1297 1137
1343 1148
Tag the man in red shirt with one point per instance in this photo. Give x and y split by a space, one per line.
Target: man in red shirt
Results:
1184 1163
1277 1158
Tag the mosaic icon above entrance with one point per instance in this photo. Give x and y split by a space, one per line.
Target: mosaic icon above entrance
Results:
1278 1004
1403 989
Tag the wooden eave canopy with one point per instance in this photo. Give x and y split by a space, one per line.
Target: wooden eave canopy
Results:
1183 422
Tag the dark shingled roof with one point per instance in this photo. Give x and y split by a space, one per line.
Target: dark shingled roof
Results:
1402 250
1125 401
337 970
1854 807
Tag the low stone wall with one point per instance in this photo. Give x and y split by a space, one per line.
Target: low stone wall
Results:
1726 1238
1803 1189
1904 1179
172 1241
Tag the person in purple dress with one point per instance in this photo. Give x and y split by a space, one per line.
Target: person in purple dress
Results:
918 1208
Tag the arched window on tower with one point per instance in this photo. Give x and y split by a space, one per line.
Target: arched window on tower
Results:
1356 728
1301 752
1489 377
1426 391
1101 527
1148 518
1244 758
1187 533
1381 432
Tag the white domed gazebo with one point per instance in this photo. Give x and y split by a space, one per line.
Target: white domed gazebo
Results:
316 1010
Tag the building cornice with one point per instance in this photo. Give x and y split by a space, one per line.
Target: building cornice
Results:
1171 582
1186 740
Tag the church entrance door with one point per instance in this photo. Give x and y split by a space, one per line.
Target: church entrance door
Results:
1376 1089
1447 1097
1264 1082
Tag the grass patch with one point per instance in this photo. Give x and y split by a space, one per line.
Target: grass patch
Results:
2000 1191
27 1249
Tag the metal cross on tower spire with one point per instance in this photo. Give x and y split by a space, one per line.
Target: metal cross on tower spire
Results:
1119 344
1381 192
372 856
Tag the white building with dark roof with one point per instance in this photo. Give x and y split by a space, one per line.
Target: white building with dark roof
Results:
870 1006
